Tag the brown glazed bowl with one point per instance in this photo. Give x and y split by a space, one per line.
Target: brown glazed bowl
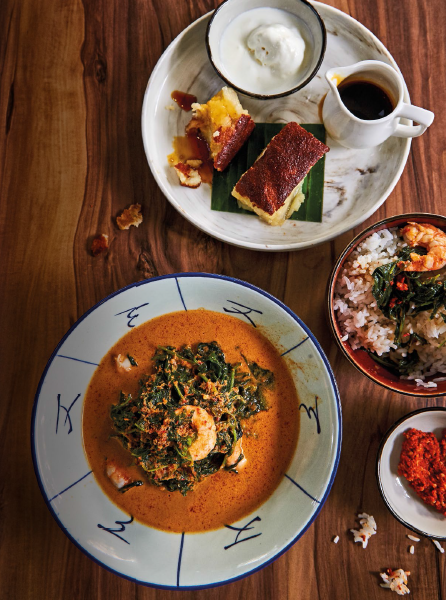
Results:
360 358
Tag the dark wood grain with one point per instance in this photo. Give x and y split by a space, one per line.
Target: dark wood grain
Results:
72 79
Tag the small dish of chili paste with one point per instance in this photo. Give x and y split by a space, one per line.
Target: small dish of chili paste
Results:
411 471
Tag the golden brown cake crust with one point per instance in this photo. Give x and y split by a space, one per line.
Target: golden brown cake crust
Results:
287 159
231 140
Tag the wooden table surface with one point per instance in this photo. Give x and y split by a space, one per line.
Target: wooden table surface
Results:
72 79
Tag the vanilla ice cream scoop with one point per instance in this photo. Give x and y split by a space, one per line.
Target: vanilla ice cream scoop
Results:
266 51
278 47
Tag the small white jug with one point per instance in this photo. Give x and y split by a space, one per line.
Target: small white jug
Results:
352 132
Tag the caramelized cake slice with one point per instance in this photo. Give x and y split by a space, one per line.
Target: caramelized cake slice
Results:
272 187
224 125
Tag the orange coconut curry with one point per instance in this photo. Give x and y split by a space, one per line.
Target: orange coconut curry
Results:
245 458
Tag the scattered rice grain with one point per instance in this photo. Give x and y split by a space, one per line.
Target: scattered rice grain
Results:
428 384
367 530
438 545
413 538
412 549
396 581
336 540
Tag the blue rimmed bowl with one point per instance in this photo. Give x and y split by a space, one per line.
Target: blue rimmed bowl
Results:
112 537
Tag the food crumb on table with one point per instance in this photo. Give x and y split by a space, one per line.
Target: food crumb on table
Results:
412 549
336 540
367 530
413 538
99 244
438 546
396 581
130 216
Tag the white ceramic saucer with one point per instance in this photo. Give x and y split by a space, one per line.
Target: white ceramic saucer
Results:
357 182
399 497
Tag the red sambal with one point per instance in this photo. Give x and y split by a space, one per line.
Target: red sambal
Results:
423 464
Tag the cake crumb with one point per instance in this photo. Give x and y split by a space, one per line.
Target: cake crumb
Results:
188 176
195 163
99 244
130 216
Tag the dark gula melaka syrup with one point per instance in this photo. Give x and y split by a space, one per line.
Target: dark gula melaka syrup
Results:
364 99
183 100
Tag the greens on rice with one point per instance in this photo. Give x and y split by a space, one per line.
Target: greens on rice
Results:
399 317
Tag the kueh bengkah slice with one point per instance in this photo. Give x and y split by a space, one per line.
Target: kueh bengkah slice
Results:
224 124
272 187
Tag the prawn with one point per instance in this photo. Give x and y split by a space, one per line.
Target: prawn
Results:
233 458
123 363
116 474
203 423
429 237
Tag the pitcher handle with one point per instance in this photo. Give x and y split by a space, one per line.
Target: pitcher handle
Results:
414 113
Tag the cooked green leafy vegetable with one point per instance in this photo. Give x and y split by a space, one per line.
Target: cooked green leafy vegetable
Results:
399 293
157 426
131 485
401 366
132 361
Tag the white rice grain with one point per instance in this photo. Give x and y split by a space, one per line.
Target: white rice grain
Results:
396 581
367 530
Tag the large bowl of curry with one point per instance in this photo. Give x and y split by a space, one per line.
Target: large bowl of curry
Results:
186 431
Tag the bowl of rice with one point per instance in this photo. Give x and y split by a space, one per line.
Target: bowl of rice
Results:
387 303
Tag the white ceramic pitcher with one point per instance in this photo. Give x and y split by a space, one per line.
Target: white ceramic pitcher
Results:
352 132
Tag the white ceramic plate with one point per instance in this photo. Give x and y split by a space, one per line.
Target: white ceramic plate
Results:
110 536
400 498
357 182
